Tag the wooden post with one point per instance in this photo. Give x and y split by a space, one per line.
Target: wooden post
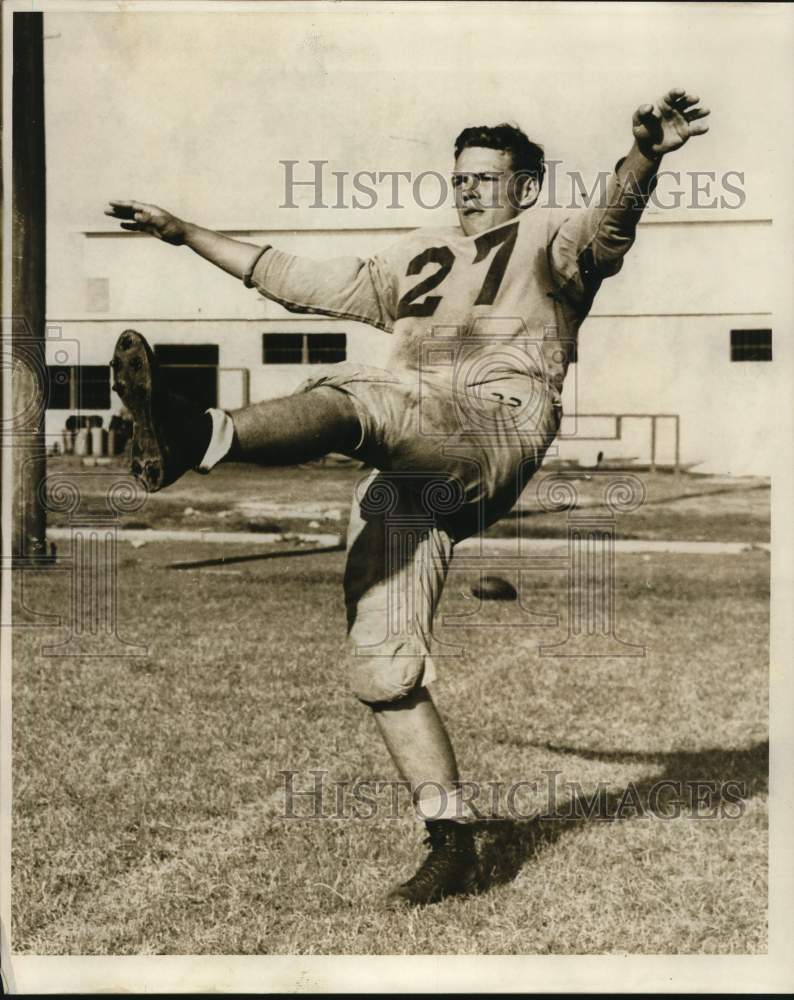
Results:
29 371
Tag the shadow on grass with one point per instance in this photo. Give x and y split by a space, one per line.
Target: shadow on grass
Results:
723 780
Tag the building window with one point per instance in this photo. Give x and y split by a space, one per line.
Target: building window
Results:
60 379
327 348
303 348
93 387
78 387
283 348
751 345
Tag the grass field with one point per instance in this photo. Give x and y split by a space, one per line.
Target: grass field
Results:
149 807
245 497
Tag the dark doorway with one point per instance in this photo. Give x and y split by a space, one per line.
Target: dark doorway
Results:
190 370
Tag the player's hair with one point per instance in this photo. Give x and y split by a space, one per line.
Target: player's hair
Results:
526 156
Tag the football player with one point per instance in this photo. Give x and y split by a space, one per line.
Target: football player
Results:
484 318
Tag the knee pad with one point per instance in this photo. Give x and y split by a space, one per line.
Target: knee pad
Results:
388 675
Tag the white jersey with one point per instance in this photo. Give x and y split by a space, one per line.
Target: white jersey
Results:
514 296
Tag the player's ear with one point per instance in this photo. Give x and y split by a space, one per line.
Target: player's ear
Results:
526 190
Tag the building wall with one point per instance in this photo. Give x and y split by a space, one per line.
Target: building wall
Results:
657 339
674 364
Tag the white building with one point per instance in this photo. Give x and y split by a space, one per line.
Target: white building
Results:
686 328
200 111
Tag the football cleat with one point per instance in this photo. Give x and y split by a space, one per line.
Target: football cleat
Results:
450 869
170 436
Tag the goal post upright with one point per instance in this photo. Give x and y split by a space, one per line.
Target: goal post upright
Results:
28 359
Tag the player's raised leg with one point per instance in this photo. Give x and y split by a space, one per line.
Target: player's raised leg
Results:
171 435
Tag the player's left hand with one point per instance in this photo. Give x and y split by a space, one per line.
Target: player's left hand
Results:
667 125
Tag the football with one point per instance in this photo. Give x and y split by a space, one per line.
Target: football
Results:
494 588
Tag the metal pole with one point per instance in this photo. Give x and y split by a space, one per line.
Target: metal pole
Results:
29 373
653 444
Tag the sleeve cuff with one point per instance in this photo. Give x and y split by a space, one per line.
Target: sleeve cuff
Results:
249 271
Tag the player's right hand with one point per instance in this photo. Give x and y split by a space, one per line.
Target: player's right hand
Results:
141 218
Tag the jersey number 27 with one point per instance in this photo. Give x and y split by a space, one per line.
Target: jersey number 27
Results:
504 238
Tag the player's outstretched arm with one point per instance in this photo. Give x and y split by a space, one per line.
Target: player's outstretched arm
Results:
590 246
233 256
344 287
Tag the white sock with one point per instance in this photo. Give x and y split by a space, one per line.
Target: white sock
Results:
434 802
220 442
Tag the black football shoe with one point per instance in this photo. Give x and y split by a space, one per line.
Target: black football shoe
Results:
450 869
170 435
